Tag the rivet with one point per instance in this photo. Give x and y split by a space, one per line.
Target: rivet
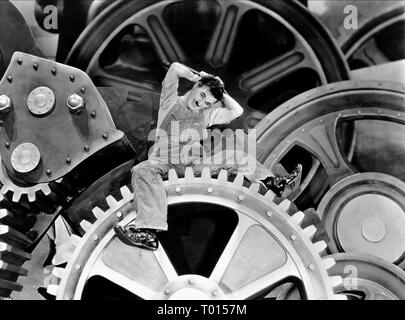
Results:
210 190
303 130
167 292
339 115
321 120
288 142
35 66
269 213
355 84
399 115
214 293
53 71
93 114
95 237
19 61
86 148
10 79
331 88
119 214
191 281
308 95
359 111
48 172
105 136
178 189
77 267
380 84
379 111
311 267
1 122
68 160
83 90
72 78
8 144
240 198
293 237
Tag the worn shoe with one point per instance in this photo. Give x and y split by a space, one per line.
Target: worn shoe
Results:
141 238
283 186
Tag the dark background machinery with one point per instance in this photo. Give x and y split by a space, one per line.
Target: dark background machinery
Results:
127 46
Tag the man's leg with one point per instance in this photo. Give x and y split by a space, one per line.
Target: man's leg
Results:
150 202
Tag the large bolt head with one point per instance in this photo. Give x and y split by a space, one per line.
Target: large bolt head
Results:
75 103
5 104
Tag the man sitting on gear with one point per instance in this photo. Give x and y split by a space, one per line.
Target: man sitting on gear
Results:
205 105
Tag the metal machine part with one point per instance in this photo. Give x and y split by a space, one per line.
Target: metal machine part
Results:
290 53
65 102
12 252
266 247
365 277
340 186
378 41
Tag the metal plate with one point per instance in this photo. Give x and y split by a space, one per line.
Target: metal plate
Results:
61 134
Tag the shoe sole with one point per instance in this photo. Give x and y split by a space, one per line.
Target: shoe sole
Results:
121 235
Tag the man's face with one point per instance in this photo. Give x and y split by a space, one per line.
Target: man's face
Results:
200 98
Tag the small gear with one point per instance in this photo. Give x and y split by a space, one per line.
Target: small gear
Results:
12 254
267 241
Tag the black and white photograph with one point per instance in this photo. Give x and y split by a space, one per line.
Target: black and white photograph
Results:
210 150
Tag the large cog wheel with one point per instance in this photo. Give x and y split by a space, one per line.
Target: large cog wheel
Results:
365 277
266 247
361 203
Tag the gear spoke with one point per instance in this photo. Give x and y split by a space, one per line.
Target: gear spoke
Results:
223 262
166 45
370 54
165 263
320 139
276 69
223 39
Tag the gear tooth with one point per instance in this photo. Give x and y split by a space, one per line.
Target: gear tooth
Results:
16 196
85 225
31 196
126 193
189 174
45 189
98 213
255 187
111 201
53 289
206 174
63 253
298 217
269 196
328 263
310 231
4 213
75 239
335 281
173 176
320 246
223 176
58 272
239 179
59 180
339 297
285 205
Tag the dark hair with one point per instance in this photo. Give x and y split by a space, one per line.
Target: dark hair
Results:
216 87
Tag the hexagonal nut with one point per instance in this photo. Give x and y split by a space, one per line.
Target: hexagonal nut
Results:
75 103
6 104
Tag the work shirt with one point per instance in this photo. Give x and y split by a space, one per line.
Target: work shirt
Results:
179 127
